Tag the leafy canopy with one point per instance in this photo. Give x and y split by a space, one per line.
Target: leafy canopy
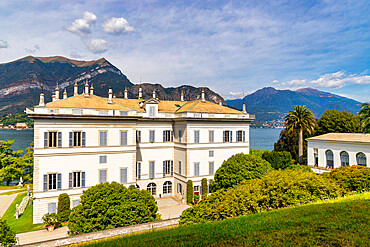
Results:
300 118
365 117
7 235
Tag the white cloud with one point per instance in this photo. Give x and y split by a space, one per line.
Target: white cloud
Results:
295 82
3 44
33 51
237 95
117 26
82 27
97 46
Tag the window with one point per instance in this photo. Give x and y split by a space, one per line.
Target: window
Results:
102 159
151 169
211 153
138 170
344 158
167 188
102 176
197 115
123 175
123 138
167 167
179 167
123 113
196 136
103 113
152 188
211 115
52 181
211 136
329 159
75 203
76 179
77 112
211 168
196 169
239 136
196 189
180 135
77 139
151 111
151 135
103 138
52 208
52 139
227 137
361 159
167 136
138 136
179 188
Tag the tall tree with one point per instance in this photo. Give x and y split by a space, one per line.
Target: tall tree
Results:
301 119
365 117
333 121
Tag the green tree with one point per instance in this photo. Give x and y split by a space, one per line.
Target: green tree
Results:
204 188
288 141
7 235
27 160
333 121
301 119
111 205
238 168
11 165
278 160
365 117
64 207
257 152
189 192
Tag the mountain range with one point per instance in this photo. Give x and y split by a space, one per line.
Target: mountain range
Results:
22 81
271 104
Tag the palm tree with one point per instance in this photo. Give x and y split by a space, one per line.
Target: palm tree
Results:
302 119
365 117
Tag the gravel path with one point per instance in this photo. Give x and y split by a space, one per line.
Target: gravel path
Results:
5 202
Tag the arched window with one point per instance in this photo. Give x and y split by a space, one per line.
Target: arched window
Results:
152 188
329 159
167 188
344 158
361 159
137 186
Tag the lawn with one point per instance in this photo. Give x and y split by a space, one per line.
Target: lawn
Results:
339 222
23 223
15 188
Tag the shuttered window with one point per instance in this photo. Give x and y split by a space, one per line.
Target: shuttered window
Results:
151 169
75 203
196 136
211 136
52 208
123 175
211 168
102 176
103 138
211 153
179 167
196 169
151 135
180 135
138 136
123 138
102 159
138 170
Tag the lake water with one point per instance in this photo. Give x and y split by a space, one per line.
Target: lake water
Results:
263 139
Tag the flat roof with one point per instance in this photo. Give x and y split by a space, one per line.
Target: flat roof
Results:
342 137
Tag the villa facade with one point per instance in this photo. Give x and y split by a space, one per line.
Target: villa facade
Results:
333 150
156 145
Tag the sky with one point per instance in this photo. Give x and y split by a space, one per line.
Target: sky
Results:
229 46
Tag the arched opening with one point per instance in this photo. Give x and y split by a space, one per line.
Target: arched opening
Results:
344 158
329 159
152 188
167 188
361 159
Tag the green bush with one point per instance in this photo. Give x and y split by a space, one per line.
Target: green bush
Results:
300 167
238 168
7 235
51 220
111 205
274 190
189 192
257 152
64 207
204 188
196 199
278 160
351 178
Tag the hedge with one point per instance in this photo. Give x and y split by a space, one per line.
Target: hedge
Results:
64 207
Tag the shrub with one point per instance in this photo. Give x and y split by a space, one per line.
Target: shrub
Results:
196 199
240 167
7 235
352 178
300 167
64 207
51 220
278 160
204 188
276 189
257 152
111 205
189 192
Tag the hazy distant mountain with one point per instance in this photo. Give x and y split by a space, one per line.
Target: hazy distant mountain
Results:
22 81
270 104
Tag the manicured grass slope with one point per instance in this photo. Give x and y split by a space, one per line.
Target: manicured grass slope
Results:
24 223
339 222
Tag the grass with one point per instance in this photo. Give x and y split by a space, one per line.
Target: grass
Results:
23 223
339 222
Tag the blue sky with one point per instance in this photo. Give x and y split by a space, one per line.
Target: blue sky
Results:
229 46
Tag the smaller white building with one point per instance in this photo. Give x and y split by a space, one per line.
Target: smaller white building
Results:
333 150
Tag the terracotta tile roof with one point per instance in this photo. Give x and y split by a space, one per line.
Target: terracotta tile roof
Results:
198 106
131 103
344 137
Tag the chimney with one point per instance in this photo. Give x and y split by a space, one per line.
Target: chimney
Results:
182 95
57 92
220 103
65 94
75 92
126 93
110 96
154 94
86 89
92 89
53 99
244 110
42 99
203 96
140 92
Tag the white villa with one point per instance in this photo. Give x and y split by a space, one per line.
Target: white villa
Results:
333 150
84 140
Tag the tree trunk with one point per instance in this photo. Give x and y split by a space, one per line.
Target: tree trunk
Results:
300 146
